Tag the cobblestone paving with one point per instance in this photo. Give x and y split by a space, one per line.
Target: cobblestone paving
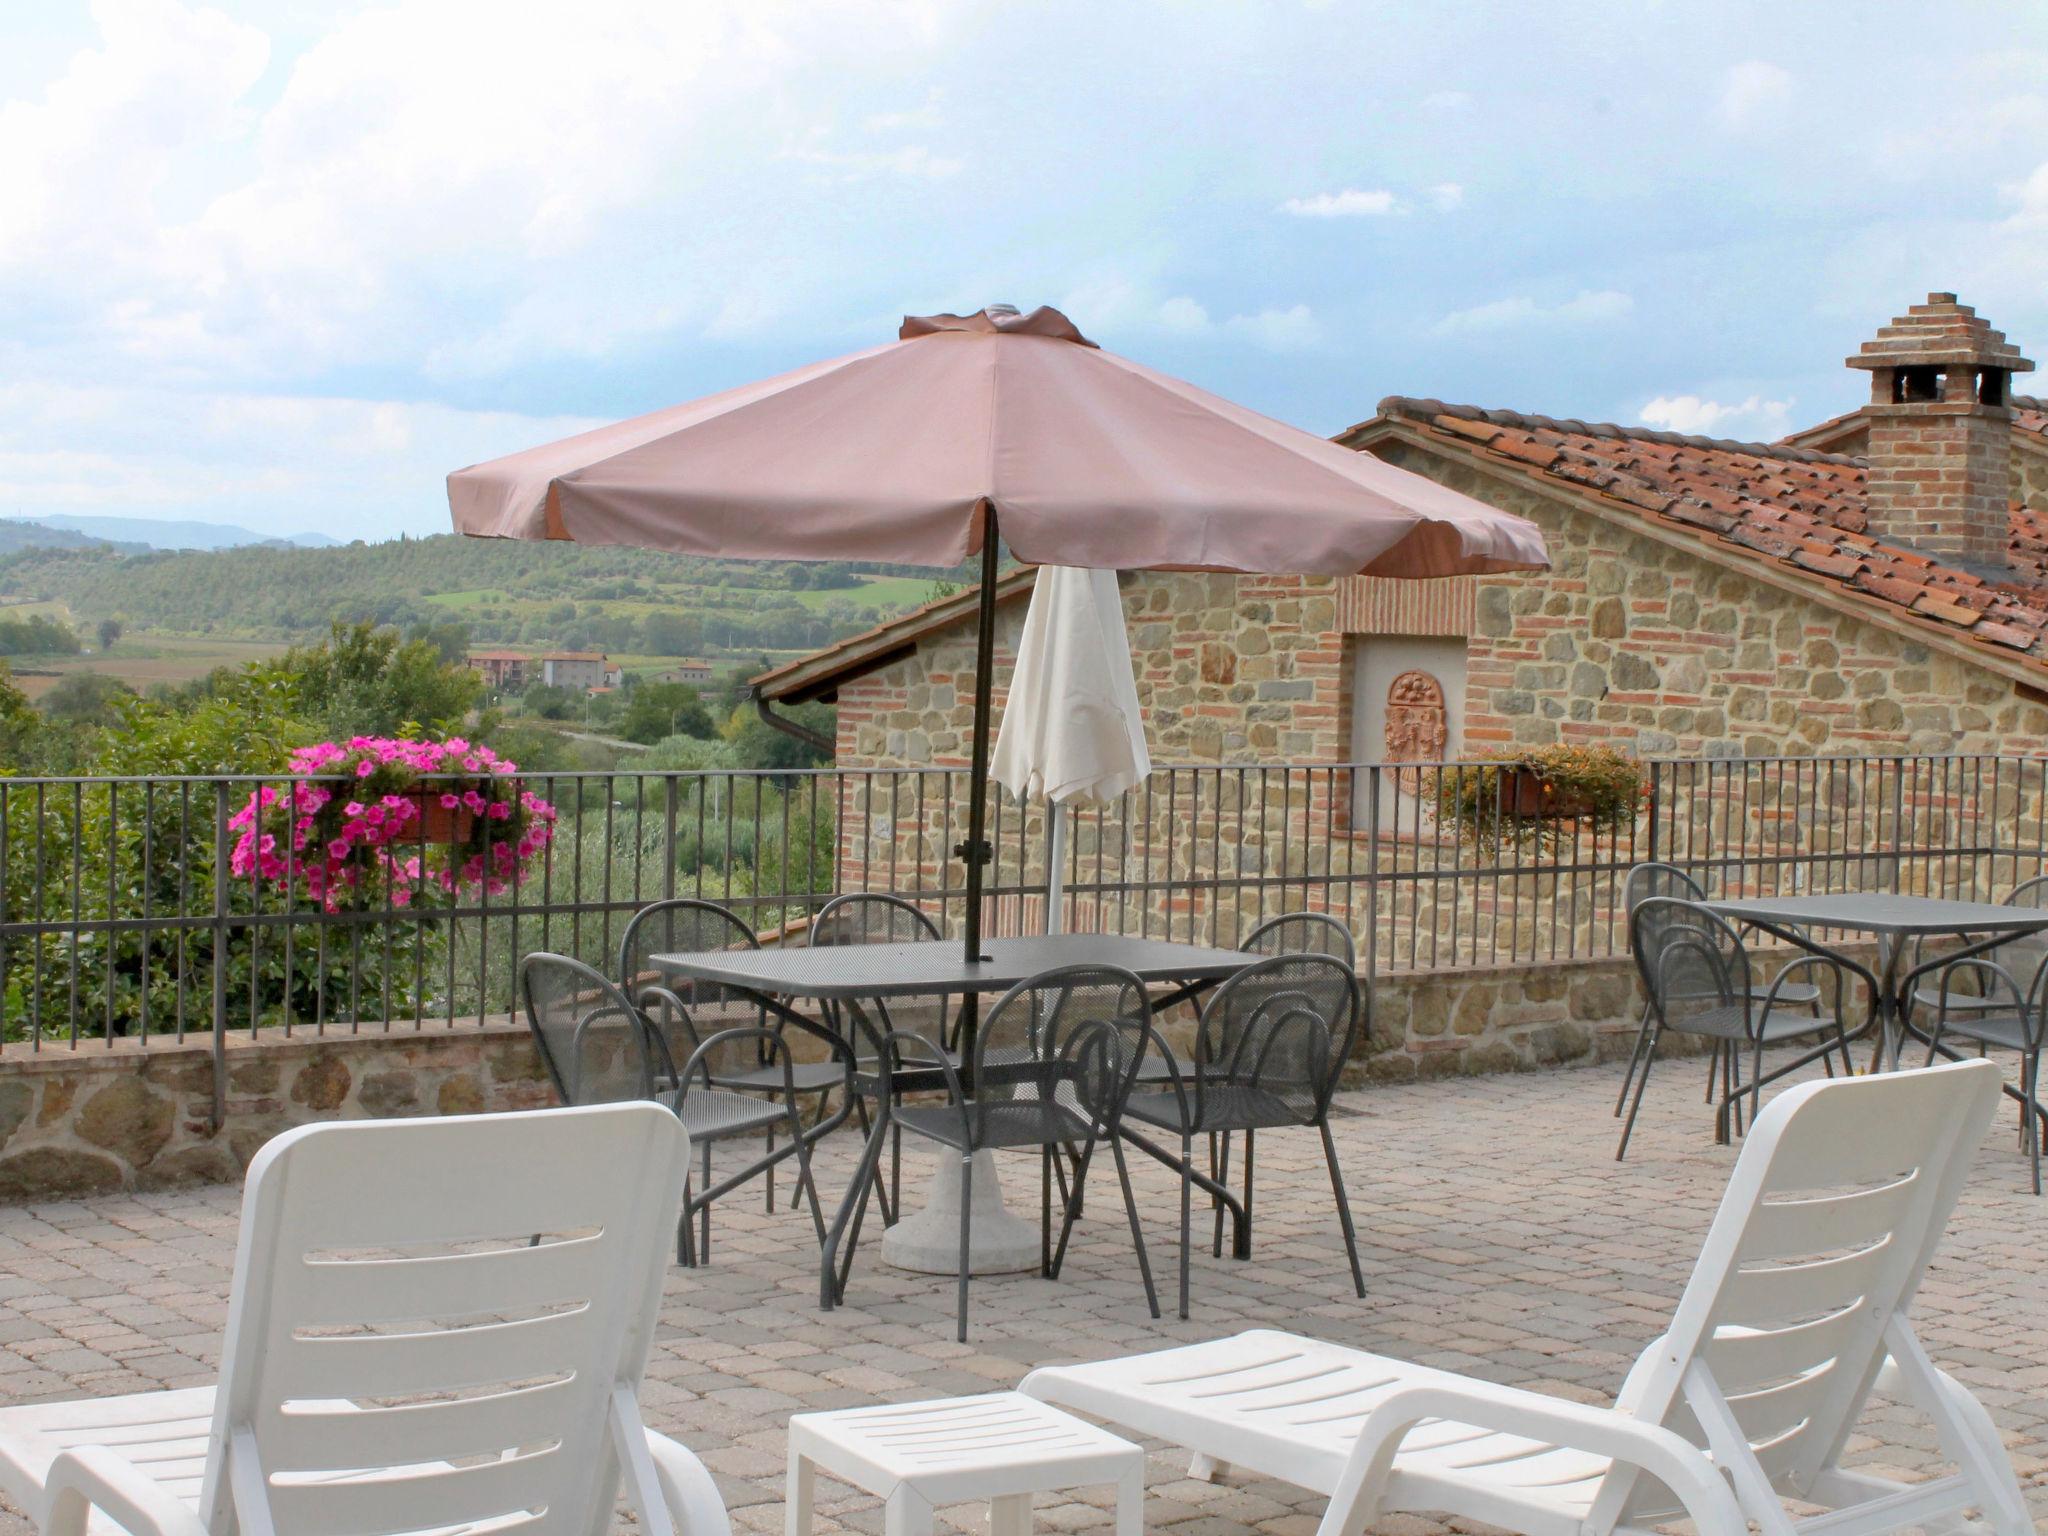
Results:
1500 1238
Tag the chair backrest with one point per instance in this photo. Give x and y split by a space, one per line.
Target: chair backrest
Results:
1280 1031
393 1309
2026 954
871 917
1302 933
596 1045
1836 1204
682 1011
1074 1035
1693 967
1657 879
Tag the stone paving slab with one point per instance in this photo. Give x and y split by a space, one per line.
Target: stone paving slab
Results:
1499 1238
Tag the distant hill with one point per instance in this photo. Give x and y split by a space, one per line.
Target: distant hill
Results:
17 534
627 602
153 533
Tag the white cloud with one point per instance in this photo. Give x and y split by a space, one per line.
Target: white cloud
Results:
298 463
1754 419
1294 329
1351 203
1753 92
1589 307
1446 195
914 162
1181 313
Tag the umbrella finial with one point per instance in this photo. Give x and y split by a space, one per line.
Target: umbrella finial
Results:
993 310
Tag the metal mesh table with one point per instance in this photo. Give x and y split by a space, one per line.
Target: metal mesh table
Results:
1893 919
873 973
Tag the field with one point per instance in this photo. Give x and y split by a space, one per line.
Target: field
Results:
143 660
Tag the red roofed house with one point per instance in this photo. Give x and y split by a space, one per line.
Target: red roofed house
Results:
1873 585
1877 583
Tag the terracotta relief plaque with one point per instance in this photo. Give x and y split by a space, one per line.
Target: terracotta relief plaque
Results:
1418 724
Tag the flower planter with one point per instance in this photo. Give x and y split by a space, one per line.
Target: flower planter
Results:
1525 796
437 823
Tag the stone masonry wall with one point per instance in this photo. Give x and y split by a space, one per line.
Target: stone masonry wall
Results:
95 1120
1663 652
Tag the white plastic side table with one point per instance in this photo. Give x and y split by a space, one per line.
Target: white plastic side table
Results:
1002 1447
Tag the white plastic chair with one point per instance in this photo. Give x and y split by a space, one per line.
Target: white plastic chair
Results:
403 1354
1801 1292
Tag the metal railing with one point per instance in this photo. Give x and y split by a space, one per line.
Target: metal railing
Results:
123 920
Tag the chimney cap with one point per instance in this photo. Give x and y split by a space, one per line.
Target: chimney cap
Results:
1940 333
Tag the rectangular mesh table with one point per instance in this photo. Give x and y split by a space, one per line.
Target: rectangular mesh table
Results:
856 974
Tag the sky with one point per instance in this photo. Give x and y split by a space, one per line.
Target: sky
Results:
286 263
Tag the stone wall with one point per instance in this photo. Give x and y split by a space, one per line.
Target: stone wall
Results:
98 1119
1664 652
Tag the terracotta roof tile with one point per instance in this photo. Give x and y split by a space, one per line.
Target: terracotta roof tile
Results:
1776 501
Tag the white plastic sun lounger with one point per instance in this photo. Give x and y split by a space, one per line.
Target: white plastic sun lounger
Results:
1801 1292
397 1260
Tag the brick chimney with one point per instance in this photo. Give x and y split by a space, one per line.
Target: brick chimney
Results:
1940 434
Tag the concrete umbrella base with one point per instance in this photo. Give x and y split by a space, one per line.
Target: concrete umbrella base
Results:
929 1241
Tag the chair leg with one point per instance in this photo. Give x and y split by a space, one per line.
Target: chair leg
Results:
768 1173
704 1213
1123 1177
1187 1207
1343 1206
686 1247
1248 1137
2030 1085
966 1235
1219 1170
1045 1212
1070 1203
1636 1103
1756 1080
806 1182
892 1210
1717 1077
1635 1055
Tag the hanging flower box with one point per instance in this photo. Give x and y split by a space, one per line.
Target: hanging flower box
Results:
1524 792
376 819
1542 797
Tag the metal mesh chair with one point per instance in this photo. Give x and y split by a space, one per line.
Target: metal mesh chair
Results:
2000 998
1268 1054
598 1048
1053 1063
876 917
1698 978
1967 995
686 1011
1653 879
1303 933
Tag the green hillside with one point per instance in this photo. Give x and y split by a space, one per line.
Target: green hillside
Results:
503 592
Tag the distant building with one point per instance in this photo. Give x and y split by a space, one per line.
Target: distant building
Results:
691 669
501 669
575 669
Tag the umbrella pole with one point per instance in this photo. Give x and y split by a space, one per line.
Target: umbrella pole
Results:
975 852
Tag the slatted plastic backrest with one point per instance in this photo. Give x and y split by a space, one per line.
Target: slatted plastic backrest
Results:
1838 1201
392 1314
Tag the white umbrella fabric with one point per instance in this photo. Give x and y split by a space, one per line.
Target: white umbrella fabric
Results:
1072 728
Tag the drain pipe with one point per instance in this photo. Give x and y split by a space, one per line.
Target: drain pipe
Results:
792 728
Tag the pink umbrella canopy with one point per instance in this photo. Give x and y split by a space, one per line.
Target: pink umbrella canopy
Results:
900 452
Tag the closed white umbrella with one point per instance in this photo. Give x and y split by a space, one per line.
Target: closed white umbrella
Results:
1072 729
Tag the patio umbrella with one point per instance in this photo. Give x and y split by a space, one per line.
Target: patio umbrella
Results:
970 429
1072 726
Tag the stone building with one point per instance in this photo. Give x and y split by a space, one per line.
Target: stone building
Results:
1875 584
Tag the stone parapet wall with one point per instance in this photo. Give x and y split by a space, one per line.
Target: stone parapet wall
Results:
96 1120
131 1117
